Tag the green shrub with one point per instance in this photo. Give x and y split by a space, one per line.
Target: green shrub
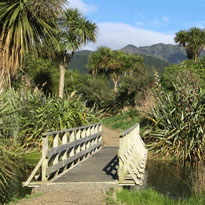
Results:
32 114
177 120
171 74
11 156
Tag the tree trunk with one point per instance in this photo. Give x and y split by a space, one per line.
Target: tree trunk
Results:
63 67
115 85
62 80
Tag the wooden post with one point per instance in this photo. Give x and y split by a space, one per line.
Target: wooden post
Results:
78 148
93 140
121 164
45 162
84 144
55 144
65 141
96 130
88 132
72 138
100 130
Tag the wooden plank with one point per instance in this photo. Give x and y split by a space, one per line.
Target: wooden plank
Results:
45 162
83 144
78 135
133 165
68 130
88 132
72 152
71 144
63 163
55 145
64 142
130 170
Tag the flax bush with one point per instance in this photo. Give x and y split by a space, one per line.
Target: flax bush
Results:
178 120
31 114
11 160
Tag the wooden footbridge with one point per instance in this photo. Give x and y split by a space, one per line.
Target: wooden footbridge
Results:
77 155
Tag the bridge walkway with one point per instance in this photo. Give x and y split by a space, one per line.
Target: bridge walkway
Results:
100 167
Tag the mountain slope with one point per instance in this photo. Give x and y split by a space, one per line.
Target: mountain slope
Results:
80 59
166 52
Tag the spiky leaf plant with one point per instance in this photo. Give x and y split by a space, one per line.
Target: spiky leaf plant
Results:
31 114
11 155
178 120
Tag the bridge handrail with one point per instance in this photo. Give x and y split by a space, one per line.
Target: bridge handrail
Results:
122 134
132 156
66 147
69 130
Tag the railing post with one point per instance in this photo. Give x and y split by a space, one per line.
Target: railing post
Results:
55 144
64 141
96 131
78 132
121 170
72 152
100 130
84 144
92 133
88 132
45 162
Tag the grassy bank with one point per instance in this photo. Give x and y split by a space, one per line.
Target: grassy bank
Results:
123 120
15 190
150 197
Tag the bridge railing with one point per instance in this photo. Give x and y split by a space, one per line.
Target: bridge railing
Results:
63 149
132 157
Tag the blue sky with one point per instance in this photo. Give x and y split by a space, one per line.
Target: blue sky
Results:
141 23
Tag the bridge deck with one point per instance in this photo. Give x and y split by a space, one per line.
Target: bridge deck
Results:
100 167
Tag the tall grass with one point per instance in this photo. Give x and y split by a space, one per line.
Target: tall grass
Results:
152 197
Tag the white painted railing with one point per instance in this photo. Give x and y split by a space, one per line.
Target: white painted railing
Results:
132 157
63 149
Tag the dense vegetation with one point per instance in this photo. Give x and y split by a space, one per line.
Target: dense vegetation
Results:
36 50
178 119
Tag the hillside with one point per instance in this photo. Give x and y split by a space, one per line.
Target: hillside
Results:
166 52
155 56
80 60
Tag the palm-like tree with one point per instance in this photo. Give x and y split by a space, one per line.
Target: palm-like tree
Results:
132 63
109 62
192 40
24 24
113 63
117 66
76 31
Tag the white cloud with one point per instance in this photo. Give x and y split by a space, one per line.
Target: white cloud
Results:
82 7
119 35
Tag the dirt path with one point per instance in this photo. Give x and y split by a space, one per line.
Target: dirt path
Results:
110 137
75 196
71 198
